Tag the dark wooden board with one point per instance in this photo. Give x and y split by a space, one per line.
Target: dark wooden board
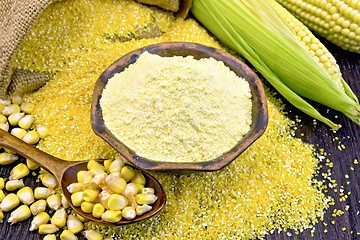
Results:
319 135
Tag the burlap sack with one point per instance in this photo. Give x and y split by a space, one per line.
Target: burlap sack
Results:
16 18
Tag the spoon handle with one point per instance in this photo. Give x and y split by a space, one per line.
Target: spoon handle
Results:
52 164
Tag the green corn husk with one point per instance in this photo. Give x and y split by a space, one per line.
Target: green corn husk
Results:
254 30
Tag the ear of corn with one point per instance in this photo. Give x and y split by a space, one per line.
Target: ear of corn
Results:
337 21
256 31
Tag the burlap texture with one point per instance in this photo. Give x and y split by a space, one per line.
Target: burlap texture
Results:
16 18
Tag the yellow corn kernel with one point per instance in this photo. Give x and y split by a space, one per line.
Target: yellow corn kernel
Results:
75 187
1 216
127 173
27 107
54 201
31 164
74 224
115 183
42 131
93 235
42 192
67 235
38 206
47 229
138 178
76 199
13 185
116 165
14 118
18 132
3 118
7 158
87 207
16 99
145 198
39 219
50 237
2 183
90 195
107 162
80 175
59 218
48 180
111 216
2 195
87 177
104 198
10 109
141 209
129 213
148 190
20 214
98 210
5 126
26 195
117 202
98 181
19 171
31 137
26 122
81 218
64 202
95 167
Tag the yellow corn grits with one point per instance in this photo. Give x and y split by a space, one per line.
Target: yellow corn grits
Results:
271 186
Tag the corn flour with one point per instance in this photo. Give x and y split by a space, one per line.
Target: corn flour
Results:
177 109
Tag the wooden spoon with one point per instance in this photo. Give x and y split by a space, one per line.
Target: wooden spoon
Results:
65 173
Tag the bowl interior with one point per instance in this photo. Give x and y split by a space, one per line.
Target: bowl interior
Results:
259 105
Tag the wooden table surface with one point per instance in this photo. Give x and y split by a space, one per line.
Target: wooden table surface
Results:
346 226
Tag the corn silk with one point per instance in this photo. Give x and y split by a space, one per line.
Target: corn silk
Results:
271 186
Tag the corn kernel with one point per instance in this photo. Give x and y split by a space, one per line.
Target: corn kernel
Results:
48 180
2 195
64 202
138 178
117 202
67 235
145 198
93 235
89 195
80 175
148 191
95 167
14 118
5 126
129 213
50 237
1 216
116 165
107 162
98 210
31 137
16 99
3 118
7 158
31 164
98 181
8 110
43 192
26 195
111 216
42 131
38 206
20 214
18 132
59 218
75 187
76 199
47 229
141 209
19 171
127 173
54 201
81 218
13 185
26 122
27 107
115 183
39 219
104 198
87 207
74 224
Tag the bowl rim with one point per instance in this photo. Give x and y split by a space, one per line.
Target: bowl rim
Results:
259 117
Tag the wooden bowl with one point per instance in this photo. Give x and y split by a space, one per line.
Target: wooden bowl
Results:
259 108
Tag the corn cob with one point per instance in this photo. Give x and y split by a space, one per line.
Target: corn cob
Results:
258 33
337 21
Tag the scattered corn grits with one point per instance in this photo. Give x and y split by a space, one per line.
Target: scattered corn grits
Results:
271 186
177 109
